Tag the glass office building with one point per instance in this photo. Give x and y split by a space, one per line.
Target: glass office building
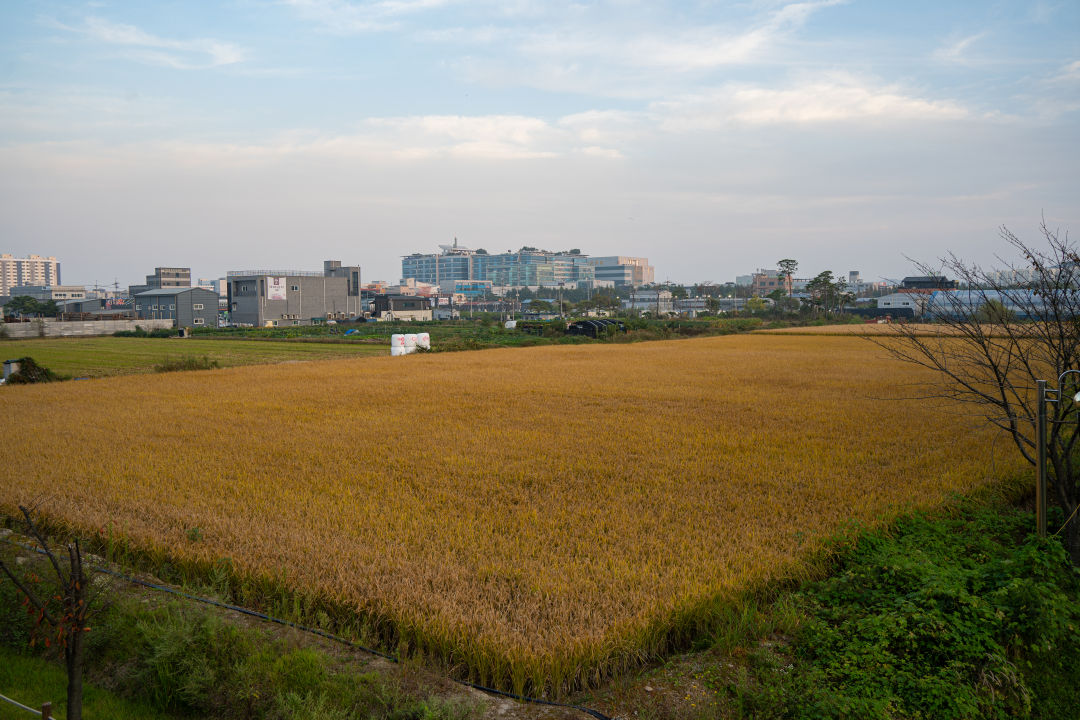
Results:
524 268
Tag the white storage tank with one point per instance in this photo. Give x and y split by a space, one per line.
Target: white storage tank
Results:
410 343
397 345
423 340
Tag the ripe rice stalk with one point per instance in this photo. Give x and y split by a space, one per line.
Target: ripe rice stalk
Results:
541 519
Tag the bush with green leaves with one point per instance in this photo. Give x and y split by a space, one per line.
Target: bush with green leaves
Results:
958 617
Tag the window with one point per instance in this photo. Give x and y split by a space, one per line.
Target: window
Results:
171 307
296 288
234 306
197 321
138 307
197 306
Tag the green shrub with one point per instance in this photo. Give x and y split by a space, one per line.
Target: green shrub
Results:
30 372
187 362
142 332
959 617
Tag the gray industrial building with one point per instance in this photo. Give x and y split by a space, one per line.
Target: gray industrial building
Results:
163 277
188 306
44 293
293 297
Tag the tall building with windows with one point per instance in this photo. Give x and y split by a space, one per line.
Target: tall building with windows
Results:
624 271
30 270
528 267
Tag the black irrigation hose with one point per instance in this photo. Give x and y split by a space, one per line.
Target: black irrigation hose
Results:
315 631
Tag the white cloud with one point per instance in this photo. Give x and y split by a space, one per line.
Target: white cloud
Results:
602 152
1069 73
671 47
488 136
956 50
195 54
828 100
343 17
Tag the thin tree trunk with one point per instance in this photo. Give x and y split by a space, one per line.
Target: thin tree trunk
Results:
73 655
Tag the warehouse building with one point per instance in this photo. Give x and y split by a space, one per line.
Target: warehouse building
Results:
294 297
188 307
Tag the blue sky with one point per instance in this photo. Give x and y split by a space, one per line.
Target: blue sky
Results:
711 137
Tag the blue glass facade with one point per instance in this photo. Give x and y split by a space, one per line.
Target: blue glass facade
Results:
518 269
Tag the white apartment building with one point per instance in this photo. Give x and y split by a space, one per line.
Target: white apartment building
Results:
31 270
624 271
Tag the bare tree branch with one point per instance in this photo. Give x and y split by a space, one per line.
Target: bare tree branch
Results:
997 334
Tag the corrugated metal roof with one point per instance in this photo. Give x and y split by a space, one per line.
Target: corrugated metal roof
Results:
171 291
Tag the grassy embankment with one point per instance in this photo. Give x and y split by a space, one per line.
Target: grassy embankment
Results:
955 614
107 356
212 348
150 656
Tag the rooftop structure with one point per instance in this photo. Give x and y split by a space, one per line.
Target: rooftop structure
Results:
926 283
164 277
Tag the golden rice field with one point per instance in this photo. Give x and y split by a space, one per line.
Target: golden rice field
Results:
922 329
538 516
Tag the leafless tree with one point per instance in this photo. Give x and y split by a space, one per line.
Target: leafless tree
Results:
62 617
999 333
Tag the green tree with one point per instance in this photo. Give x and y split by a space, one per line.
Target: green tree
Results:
26 305
994 311
540 306
822 289
786 268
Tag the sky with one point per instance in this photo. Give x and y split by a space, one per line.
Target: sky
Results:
713 138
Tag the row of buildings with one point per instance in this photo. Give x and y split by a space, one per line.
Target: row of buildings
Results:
765 281
432 287
527 267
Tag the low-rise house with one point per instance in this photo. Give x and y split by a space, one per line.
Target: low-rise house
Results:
44 293
402 307
909 301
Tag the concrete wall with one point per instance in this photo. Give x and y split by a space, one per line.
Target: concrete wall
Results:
55 328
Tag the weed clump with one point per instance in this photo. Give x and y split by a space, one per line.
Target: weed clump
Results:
30 372
188 362
956 617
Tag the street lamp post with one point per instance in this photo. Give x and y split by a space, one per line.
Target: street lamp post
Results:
1045 395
